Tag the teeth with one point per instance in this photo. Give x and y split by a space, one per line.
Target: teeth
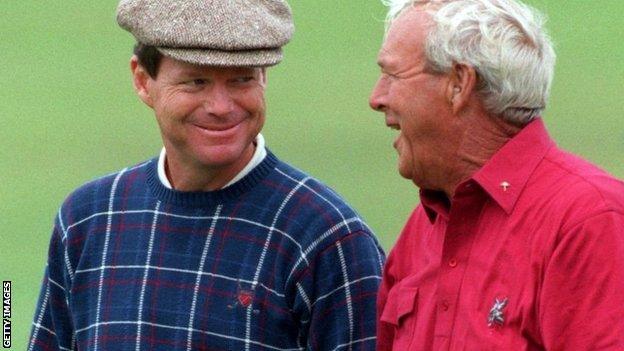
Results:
395 127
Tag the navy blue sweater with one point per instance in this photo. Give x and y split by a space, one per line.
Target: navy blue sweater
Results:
276 261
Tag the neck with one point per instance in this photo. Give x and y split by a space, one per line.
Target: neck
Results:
187 175
483 135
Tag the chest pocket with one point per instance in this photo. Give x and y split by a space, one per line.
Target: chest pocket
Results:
400 311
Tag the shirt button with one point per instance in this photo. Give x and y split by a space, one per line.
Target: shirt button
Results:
444 306
452 263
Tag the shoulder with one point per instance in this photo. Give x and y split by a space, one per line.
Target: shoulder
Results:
581 183
575 190
95 195
316 190
313 210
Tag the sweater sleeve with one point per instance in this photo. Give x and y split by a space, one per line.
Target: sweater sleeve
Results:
338 293
52 327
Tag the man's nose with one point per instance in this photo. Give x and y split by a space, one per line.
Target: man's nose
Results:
218 101
377 99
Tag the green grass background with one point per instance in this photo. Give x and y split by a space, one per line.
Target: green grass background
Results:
68 112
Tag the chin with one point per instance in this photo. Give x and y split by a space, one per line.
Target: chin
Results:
218 160
405 172
220 156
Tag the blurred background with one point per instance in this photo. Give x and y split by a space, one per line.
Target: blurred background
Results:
68 112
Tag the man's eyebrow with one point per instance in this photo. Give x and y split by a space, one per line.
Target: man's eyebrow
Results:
382 57
189 71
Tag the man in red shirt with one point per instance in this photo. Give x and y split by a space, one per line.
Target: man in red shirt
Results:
517 245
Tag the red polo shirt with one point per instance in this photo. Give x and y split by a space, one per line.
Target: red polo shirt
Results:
528 255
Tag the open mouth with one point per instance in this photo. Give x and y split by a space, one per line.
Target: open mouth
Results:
394 126
392 122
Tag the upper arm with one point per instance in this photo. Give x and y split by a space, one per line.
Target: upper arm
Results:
582 301
340 290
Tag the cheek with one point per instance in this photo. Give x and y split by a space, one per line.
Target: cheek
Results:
255 124
415 142
252 105
173 108
251 100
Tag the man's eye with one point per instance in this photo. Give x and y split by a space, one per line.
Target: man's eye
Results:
243 79
198 82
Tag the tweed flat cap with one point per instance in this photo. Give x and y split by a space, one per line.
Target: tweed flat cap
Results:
211 32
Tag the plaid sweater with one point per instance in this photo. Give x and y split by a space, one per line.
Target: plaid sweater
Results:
276 261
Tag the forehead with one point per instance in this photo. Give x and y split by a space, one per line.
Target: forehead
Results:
175 67
405 38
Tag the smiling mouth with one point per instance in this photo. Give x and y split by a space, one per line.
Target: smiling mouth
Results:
395 126
392 123
216 128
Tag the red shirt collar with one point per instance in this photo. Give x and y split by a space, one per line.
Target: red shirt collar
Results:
505 175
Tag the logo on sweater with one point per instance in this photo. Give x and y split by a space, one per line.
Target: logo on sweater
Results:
245 298
496 315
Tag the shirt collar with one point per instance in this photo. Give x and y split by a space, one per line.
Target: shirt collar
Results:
259 155
504 175
435 203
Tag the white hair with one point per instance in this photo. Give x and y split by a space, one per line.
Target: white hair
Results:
503 40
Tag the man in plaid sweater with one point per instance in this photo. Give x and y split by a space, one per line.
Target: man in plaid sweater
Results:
216 244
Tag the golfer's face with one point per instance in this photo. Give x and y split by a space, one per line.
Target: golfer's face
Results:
413 100
208 116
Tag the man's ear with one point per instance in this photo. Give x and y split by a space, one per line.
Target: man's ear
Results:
462 83
263 77
141 81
